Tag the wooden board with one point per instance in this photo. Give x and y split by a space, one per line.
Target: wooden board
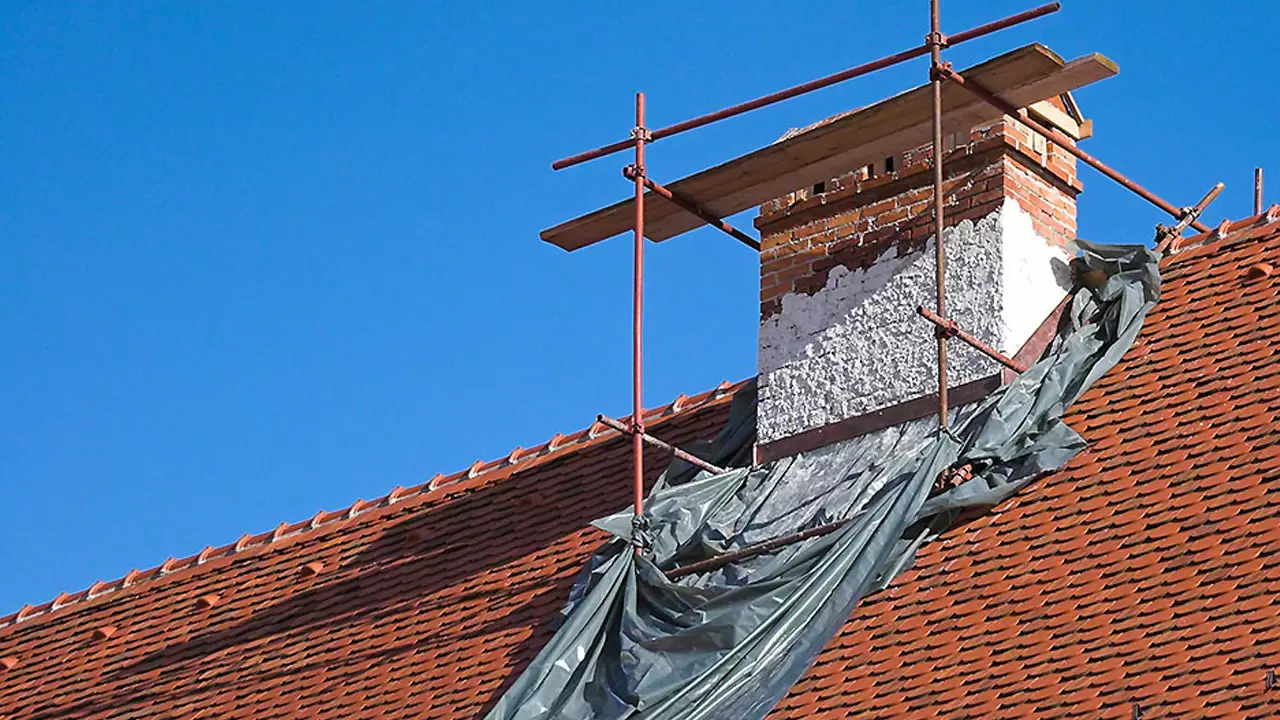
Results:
1022 77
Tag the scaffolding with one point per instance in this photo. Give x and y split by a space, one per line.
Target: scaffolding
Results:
607 222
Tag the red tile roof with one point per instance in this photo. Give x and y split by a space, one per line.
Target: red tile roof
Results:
1146 571
419 604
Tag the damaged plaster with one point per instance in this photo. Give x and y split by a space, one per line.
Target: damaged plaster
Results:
858 345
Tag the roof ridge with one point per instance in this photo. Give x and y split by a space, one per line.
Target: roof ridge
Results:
1256 225
249 541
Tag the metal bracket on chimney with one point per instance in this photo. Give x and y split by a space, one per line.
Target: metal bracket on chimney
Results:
950 329
630 172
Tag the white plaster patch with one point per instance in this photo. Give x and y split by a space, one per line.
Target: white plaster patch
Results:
858 345
1027 297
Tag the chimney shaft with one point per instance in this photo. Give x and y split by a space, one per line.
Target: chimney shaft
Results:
845 263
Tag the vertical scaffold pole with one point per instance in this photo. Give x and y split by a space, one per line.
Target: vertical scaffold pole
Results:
1257 191
640 134
936 41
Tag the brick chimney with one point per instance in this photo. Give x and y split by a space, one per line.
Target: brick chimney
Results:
845 263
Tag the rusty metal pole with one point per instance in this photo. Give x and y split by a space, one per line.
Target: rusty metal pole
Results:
695 209
1065 143
810 86
1257 191
1170 237
719 561
952 329
936 41
675 451
702 214
640 136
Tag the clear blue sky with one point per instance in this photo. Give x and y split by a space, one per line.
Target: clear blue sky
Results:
258 259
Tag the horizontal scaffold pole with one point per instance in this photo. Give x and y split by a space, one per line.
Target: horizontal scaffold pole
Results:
951 329
791 92
683 455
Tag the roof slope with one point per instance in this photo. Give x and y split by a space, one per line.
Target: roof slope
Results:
1147 570
421 608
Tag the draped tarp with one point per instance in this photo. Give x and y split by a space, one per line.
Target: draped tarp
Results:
731 642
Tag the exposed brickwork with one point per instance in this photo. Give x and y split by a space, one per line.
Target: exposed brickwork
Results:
856 217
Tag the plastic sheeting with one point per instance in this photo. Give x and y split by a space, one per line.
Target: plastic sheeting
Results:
731 642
